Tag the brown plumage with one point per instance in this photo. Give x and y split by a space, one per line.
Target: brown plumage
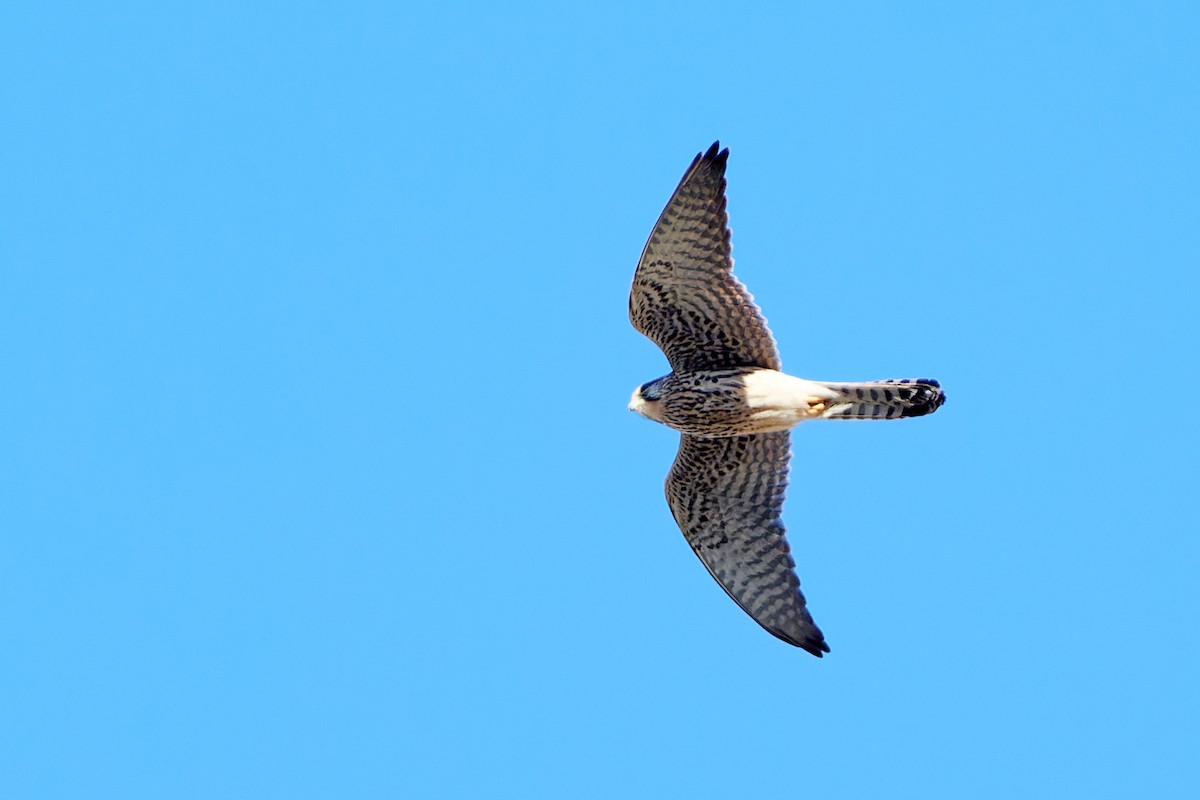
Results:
733 405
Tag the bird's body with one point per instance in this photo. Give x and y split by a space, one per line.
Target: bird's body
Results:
734 406
740 400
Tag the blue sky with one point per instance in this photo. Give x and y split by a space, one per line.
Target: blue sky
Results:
317 477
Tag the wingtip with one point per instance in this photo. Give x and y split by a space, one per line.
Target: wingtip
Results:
712 161
716 155
817 648
809 638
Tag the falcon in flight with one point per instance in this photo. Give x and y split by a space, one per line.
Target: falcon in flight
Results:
733 406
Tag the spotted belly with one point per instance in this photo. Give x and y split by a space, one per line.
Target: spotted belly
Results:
734 402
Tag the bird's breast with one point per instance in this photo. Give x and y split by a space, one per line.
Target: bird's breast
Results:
734 402
706 403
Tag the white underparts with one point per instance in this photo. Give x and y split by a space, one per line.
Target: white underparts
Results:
778 401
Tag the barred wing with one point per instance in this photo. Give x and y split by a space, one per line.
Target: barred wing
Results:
727 496
684 295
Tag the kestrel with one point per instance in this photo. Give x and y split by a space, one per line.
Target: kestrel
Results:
733 406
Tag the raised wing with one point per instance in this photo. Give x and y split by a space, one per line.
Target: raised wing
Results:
684 295
727 496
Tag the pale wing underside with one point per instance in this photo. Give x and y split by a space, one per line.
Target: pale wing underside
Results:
727 496
684 296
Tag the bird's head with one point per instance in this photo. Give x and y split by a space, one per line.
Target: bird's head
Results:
647 399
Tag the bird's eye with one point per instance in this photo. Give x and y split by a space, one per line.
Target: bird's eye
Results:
649 391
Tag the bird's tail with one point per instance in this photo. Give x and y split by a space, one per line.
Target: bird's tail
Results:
911 397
